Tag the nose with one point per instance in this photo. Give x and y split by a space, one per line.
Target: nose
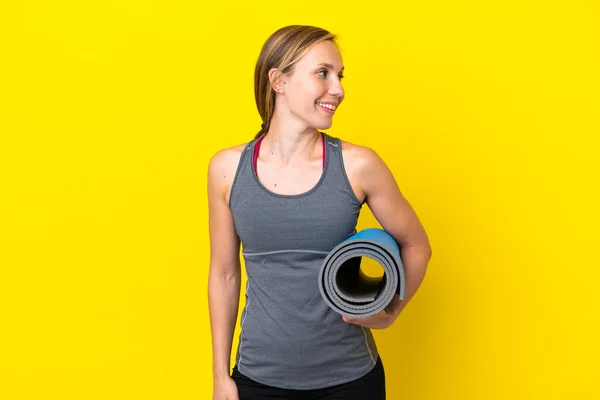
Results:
336 89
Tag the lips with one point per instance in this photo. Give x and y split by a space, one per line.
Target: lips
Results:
327 107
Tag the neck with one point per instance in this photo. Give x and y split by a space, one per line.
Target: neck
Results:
286 146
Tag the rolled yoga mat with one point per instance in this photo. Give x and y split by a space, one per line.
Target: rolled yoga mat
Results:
347 290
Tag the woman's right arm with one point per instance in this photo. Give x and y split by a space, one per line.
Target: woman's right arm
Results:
225 271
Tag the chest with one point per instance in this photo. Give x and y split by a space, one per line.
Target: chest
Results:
289 180
315 221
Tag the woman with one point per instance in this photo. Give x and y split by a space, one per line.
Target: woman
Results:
289 197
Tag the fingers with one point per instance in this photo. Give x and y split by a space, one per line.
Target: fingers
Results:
357 321
380 320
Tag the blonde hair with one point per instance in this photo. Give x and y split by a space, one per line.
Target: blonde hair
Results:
282 50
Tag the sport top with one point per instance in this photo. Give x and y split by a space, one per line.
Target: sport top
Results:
289 337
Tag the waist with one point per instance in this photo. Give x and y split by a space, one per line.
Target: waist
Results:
302 356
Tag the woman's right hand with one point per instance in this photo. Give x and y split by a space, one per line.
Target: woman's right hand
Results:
225 389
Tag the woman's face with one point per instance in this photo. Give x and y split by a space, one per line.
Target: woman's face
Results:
313 91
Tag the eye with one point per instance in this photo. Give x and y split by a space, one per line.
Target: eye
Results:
323 74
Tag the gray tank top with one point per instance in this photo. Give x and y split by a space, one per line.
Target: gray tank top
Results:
289 337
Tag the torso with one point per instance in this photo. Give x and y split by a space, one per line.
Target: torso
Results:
290 337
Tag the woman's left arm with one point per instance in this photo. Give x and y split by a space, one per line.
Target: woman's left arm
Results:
398 218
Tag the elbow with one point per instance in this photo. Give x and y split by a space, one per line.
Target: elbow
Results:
222 281
423 249
225 272
428 252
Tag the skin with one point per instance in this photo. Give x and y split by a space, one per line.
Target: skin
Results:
290 163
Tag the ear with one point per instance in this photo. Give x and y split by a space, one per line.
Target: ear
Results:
277 80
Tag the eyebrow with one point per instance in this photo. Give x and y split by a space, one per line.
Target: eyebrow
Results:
330 66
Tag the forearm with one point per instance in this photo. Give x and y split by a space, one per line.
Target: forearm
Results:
414 260
223 301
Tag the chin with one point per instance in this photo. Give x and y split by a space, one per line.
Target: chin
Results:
323 125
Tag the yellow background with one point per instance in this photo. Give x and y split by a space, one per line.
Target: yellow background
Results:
486 112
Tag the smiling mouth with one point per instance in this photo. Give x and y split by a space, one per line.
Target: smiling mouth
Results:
327 107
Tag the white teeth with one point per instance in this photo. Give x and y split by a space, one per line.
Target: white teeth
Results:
330 106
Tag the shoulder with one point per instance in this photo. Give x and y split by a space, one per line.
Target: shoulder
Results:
222 167
226 158
366 170
360 159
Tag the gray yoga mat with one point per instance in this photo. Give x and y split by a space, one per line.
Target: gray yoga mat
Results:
350 292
